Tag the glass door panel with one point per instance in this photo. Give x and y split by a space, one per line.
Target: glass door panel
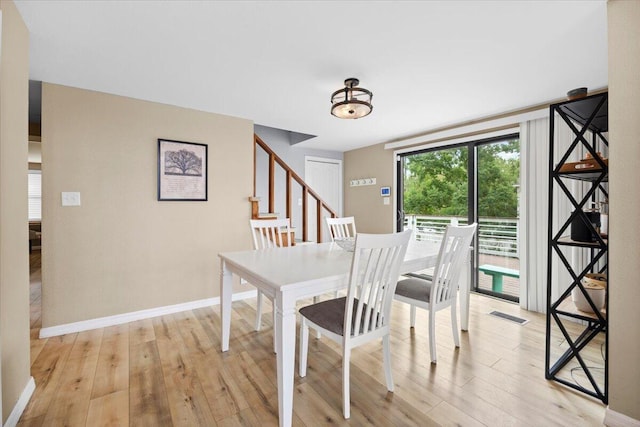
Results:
498 177
435 192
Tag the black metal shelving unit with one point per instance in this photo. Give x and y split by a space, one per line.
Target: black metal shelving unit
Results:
568 352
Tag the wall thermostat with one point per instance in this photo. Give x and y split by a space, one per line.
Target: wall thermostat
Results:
385 191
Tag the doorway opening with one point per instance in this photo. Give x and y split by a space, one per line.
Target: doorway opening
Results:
35 205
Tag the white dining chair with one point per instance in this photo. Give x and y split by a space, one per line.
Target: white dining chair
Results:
340 228
364 314
268 233
441 291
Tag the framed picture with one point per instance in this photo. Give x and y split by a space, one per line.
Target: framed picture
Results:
182 171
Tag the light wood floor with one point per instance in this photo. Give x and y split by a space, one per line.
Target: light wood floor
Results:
170 371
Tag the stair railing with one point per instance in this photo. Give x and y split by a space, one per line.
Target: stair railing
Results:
291 177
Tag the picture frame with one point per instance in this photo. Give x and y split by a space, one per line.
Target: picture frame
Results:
182 171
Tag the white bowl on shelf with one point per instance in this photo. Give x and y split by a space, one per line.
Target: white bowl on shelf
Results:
346 243
596 294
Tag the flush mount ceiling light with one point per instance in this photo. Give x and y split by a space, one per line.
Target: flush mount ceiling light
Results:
351 102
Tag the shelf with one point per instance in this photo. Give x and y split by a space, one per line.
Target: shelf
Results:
567 241
579 111
568 308
588 175
570 263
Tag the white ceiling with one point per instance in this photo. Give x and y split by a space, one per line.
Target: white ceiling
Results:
428 64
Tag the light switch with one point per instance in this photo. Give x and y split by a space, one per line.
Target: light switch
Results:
70 198
386 200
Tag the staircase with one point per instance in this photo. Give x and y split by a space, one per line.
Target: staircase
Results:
293 182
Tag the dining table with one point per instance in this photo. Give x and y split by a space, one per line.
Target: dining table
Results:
289 274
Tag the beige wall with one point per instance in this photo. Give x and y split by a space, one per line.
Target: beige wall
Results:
122 250
364 202
624 178
14 246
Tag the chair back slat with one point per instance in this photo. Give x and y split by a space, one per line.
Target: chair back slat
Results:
267 233
341 227
454 250
374 274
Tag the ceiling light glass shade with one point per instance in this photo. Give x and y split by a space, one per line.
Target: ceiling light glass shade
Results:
351 102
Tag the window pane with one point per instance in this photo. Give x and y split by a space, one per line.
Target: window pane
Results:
35 196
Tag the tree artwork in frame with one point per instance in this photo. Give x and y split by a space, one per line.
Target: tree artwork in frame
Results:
182 171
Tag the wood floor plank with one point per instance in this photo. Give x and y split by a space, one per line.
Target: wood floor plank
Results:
313 410
31 422
329 389
324 374
87 344
36 345
254 383
113 362
148 403
35 290
187 401
268 413
220 389
47 371
427 379
526 409
209 319
192 332
142 331
109 410
225 396
244 418
445 414
71 403
370 394
545 397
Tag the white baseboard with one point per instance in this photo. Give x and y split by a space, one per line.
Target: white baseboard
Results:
616 419
17 411
118 319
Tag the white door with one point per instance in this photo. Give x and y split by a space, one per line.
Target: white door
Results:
324 176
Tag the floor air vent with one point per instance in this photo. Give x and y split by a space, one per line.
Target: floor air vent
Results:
514 319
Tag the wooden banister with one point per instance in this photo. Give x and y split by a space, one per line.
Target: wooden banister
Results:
291 176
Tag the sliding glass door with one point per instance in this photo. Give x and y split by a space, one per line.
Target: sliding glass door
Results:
461 184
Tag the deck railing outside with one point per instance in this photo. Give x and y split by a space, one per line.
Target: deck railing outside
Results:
498 236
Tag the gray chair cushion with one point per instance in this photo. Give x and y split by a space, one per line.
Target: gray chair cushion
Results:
414 288
330 314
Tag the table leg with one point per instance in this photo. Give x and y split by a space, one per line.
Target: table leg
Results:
226 290
285 347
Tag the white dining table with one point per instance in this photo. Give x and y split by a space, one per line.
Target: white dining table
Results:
289 274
